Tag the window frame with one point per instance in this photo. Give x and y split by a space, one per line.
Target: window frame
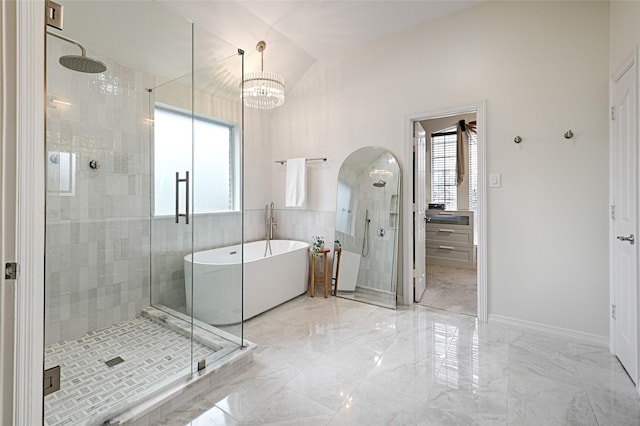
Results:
449 131
235 155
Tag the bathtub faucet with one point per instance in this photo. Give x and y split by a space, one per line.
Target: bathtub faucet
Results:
272 221
269 223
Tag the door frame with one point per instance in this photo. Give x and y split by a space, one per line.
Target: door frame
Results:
631 60
479 109
26 31
419 208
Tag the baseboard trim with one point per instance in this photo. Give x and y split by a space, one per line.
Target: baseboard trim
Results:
575 335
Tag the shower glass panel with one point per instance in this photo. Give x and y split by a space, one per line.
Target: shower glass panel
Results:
218 218
367 212
116 316
196 136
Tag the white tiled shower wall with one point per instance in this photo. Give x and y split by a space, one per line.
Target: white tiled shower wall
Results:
97 240
376 270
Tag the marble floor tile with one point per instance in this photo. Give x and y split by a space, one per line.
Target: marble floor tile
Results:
452 289
289 407
210 417
339 362
371 403
328 386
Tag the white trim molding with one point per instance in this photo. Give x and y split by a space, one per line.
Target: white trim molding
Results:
578 336
30 212
479 109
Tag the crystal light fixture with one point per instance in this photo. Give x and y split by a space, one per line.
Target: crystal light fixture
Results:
260 89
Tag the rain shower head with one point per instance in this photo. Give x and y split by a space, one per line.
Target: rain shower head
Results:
379 184
80 63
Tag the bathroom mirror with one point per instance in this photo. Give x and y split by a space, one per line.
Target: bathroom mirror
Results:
367 220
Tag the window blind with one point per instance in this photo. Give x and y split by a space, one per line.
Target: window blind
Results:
444 188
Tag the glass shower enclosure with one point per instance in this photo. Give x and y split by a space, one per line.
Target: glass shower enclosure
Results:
144 167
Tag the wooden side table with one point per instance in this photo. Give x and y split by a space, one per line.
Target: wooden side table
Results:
325 279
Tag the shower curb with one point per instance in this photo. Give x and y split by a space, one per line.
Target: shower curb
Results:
162 403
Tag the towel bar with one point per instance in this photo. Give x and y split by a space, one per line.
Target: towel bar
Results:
308 159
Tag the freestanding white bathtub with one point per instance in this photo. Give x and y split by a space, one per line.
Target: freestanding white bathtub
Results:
268 281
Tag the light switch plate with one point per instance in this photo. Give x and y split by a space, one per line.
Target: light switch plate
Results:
495 180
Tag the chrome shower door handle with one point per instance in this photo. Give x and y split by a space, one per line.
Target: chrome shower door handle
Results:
186 215
178 214
630 238
177 197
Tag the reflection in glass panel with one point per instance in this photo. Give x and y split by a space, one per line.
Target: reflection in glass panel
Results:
61 173
345 222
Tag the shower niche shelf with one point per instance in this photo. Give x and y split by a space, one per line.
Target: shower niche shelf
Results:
393 212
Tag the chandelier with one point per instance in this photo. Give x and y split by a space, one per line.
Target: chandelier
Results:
260 89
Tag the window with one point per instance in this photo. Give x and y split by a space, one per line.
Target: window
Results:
444 188
212 157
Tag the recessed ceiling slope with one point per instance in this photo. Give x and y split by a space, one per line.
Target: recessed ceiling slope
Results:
324 28
145 35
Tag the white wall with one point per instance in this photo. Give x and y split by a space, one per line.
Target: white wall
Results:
542 68
257 159
624 33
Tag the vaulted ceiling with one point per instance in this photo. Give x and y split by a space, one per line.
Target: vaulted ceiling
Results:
300 32
297 32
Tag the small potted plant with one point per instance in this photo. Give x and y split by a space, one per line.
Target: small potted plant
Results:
318 244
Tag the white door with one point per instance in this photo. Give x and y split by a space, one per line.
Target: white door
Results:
625 251
419 214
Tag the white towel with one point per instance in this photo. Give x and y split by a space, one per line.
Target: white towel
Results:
296 185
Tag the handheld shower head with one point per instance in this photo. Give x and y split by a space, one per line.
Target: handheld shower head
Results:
380 183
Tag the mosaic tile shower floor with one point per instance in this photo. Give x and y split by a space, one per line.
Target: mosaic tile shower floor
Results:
89 389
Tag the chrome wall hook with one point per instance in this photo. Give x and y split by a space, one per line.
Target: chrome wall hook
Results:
517 139
568 134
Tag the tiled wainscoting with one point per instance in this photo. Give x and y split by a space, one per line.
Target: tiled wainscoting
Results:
170 243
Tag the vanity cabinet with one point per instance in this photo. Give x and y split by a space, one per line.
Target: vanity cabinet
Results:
449 238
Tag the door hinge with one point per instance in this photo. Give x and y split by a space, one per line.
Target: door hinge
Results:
613 212
51 380
54 14
11 271
613 113
202 364
613 311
